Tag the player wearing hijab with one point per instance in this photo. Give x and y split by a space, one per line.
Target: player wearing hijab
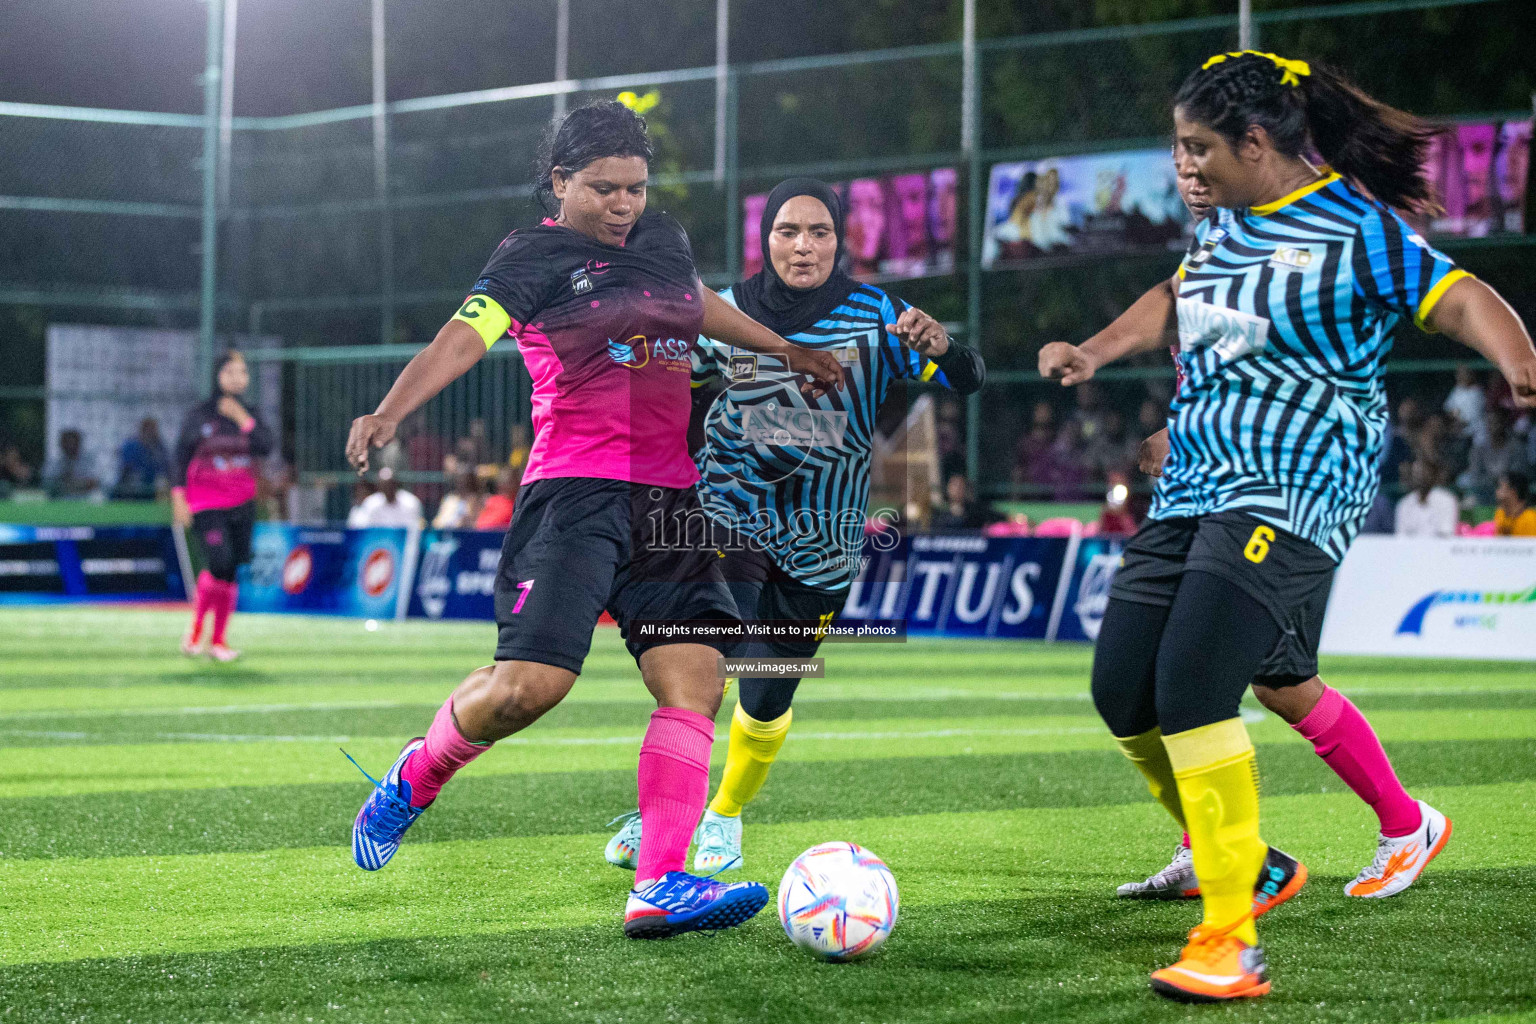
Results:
785 478
1337 730
605 304
1285 307
214 495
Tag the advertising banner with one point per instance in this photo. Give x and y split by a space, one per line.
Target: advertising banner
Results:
1480 171
902 225
457 574
1460 598
364 573
1099 204
962 585
1092 562
82 562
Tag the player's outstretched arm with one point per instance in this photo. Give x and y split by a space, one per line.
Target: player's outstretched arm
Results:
1143 327
724 322
1477 316
456 348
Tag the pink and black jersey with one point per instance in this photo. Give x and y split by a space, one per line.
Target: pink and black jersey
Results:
607 334
215 461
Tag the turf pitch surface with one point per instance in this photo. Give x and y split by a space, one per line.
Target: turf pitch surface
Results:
174 841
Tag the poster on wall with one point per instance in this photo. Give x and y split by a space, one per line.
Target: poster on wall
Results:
1103 203
901 225
1480 171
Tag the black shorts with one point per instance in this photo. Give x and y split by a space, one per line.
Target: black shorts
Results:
225 537
765 593
578 546
1289 576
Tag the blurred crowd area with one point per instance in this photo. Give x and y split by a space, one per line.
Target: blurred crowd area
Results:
1457 459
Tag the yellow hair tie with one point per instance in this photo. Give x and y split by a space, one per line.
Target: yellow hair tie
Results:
1290 70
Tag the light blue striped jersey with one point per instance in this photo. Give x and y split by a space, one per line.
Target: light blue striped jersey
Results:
792 471
1286 313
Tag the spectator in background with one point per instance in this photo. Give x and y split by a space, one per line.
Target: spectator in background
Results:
951 438
1436 442
1112 450
1151 417
1091 412
1116 516
144 464
960 510
1515 517
361 489
390 505
497 513
1429 510
1032 453
1500 453
14 471
1397 449
71 473
461 505
1466 405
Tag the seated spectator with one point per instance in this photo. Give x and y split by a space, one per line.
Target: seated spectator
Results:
1032 451
960 510
1112 450
71 473
1429 510
1116 516
14 471
1436 442
1515 517
1091 411
497 513
390 505
144 465
1502 452
461 505
1466 405
1397 445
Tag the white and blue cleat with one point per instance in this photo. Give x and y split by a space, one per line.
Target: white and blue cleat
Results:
384 817
678 902
623 850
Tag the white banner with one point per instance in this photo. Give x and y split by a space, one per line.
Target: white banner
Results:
1471 597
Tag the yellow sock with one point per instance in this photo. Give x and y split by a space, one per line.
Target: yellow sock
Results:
753 747
1218 781
1150 757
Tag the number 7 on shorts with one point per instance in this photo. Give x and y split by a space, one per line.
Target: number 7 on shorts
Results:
525 586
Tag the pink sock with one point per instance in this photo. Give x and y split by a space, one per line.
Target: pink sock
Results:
1186 840
223 604
1342 737
674 786
446 751
202 602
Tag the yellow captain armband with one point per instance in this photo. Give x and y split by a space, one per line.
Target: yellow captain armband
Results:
929 369
486 316
1421 315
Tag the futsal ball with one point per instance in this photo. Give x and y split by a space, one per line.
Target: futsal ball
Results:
838 901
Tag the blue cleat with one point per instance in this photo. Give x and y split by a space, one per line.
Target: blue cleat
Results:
678 902
382 822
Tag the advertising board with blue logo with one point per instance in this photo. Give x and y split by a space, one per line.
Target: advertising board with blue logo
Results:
1463 597
74 563
457 574
326 571
965 585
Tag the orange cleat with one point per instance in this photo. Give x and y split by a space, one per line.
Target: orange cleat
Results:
1281 877
1214 967
1400 860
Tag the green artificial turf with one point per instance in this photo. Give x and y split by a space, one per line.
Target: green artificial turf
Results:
173 841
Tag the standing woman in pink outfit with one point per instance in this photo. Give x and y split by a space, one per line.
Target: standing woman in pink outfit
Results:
214 495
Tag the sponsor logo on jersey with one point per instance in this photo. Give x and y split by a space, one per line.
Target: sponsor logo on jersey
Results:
1290 258
638 351
581 282
1229 333
775 424
744 367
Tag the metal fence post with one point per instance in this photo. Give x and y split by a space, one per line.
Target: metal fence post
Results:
208 299
733 174
381 181
970 133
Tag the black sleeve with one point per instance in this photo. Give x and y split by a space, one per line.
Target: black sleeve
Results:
963 368
186 445
260 440
518 277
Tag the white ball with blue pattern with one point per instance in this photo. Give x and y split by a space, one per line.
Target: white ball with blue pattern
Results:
838 901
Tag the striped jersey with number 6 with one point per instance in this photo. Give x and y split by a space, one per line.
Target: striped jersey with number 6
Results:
1286 313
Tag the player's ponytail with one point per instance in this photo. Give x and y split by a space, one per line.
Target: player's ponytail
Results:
600 129
1306 108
